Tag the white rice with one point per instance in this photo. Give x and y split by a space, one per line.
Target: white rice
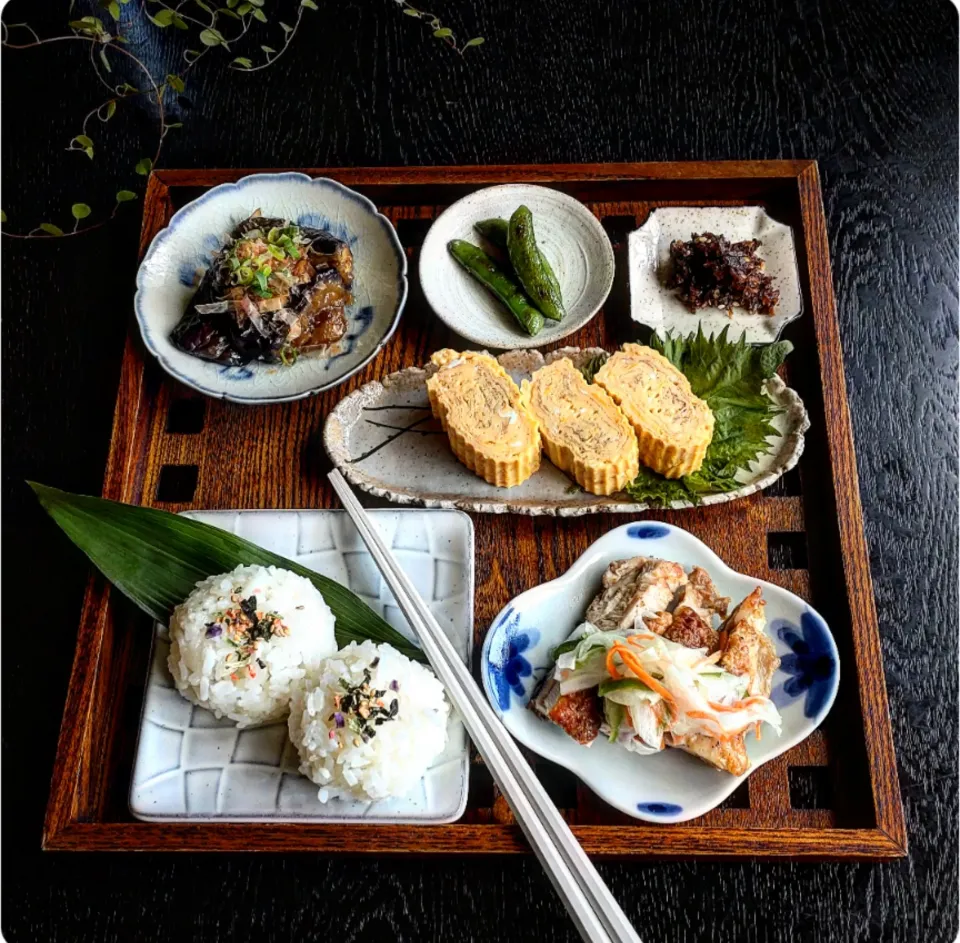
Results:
394 759
203 661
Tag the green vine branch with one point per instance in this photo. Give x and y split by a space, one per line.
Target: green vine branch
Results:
214 26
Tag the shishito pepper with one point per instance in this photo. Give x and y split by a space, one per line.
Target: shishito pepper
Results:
530 265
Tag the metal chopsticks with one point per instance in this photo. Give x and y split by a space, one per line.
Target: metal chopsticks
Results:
592 907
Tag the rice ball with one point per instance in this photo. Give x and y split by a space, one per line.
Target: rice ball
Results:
368 723
241 640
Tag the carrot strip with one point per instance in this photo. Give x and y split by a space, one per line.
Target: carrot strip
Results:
630 660
611 666
642 635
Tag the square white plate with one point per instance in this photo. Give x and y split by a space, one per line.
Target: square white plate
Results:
192 767
657 306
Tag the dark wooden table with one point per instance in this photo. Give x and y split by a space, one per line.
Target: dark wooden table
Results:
867 87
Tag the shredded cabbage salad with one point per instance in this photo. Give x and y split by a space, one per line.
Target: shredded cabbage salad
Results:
651 686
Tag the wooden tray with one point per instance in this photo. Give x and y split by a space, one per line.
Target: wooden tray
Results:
835 796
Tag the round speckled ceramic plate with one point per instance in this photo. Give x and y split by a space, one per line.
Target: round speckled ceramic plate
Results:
657 306
568 234
670 786
179 255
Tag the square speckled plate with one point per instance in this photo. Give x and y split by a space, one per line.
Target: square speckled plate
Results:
657 306
192 767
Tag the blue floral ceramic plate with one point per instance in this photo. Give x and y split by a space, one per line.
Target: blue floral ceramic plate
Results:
671 786
179 255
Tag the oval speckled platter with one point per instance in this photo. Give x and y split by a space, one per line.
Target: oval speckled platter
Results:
384 439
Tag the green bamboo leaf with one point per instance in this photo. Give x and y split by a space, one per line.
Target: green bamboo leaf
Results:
51 229
80 210
155 559
144 167
125 196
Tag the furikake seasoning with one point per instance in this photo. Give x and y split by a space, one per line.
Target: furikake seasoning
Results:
244 626
361 708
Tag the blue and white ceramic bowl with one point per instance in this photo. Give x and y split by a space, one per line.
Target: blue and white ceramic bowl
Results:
671 786
179 254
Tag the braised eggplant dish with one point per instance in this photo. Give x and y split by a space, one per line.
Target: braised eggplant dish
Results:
274 291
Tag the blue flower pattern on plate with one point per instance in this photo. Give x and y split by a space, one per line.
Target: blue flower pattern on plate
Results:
811 663
659 808
647 531
507 665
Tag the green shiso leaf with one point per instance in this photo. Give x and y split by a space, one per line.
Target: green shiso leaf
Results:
155 558
730 377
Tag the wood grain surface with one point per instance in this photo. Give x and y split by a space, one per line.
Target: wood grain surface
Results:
866 88
792 807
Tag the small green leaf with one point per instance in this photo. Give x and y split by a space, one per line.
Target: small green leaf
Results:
163 17
203 6
242 61
258 14
111 110
125 196
80 210
173 124
83 140
126 89
244 8
114 9
226 12
103 59
211 37
268 50
410 12
191 55
442 33
179 22
175 82
257 3
476 41
309 4
3 216
51 229
285 28
144 167
89 152
232 3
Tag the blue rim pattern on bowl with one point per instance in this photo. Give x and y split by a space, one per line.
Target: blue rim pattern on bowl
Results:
186 211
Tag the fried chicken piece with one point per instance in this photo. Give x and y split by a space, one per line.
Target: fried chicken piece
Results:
727 755
701 594
690 629
746 648
578 713
633 586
